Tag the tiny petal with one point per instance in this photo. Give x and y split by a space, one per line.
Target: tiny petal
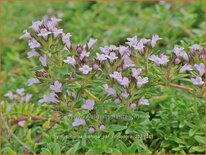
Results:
85 69
49 98
141 81
186 67
154 40
43 60
70 61
26 35
32 53
56 87
89 105
21 123
9 95
109 90
32 81
20 91
136 72
91 42
197 81
200 68
78 121
143 101
33 44
36 25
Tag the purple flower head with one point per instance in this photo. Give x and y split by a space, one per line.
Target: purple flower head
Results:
70 61
133 106
9 95
143 101
32 81
78 121
105 50
124 82
91 130
57 32
36 25
177 61
89 105
197 81
95 66
33 44
154 40
84 54
56 87
125 94
111 56
124 50
26 35
127 61
179 52
32 53
20 91
117 101
49 98
144 40
141 81
66 39
136 72
43 60
44 33
132 41
139 47
161 60
52 23
186 67
101 57
27 97
102 127
200 68
85 69
91 42
194 48
116 75
113 48
109 90
21 123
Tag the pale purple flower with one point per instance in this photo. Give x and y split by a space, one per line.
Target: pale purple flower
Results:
111 56
89 105
177 61
27 97
197 81
132 41
109 90
143 101
105 50
85 69
124 50
124 82
136 72
70 61
44 33
78 121
144 40
84 54
52 23
9 95
32 81
113 48
25 35
186 67
91 130
141 81
36 25
179 52
161 60
20 91
154 40
195 47
32 53
127 61
133 106
116 75
49 98
125 94
33 43
95 66
102 127
21 123
56 87
43 60
57 32
200 68
66 39
91 42
101 57
117 101
139 47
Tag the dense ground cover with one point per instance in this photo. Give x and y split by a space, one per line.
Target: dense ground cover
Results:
172 123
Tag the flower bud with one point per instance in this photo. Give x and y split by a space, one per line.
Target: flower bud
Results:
117 101
79 48
102 127
177 61
91 130
133 106
95 67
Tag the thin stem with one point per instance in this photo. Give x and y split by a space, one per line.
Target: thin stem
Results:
15 137
177 86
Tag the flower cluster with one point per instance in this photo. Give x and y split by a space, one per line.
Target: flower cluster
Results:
122 72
